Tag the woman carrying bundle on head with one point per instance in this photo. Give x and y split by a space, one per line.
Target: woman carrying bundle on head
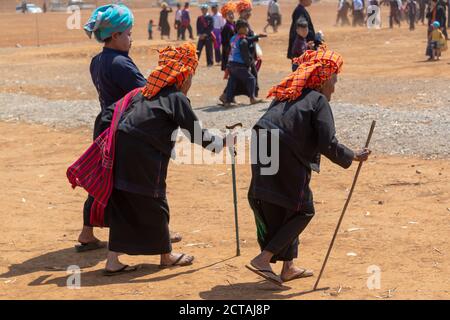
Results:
164 25
300 122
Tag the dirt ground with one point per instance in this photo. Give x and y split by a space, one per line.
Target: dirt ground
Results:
398 219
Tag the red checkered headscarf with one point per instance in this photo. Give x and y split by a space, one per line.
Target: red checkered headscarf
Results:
174 67
227 7
314 68
243 5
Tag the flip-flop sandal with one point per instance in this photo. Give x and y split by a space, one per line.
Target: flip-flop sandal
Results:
177 263
266 274
257 102
175 237
124 269
83 247
303 274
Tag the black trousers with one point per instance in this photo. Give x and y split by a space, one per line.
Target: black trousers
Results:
179 29
278 228
358 18
208 44
240 75
183 32
412 22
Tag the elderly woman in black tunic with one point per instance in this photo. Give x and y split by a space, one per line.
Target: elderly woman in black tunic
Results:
301 118
164 25
137 211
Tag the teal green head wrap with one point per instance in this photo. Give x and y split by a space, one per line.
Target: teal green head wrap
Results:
106 20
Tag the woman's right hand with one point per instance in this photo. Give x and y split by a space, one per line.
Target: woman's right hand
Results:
362 155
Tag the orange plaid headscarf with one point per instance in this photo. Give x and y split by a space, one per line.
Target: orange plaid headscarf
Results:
314 68
174 66
227 7
243 5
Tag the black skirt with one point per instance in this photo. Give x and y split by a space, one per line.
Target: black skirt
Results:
139 225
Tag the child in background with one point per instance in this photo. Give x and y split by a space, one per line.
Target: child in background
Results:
438 41
239 64
300 45
150 29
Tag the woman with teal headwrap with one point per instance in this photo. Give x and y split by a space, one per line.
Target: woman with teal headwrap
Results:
108 19
114 74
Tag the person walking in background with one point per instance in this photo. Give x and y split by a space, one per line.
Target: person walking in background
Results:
164 25
186 23
342 13
273 16
150 29
300 11
240 65
394 13
205 26
358 13
422 6
228 31
177 24
411 8
219 23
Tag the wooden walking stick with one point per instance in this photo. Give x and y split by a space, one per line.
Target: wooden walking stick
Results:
345 207
233 174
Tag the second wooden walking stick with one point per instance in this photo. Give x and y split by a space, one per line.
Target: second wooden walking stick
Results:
233 174
345 208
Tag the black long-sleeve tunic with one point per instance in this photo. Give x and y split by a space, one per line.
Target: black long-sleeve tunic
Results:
306 131
227 33
144 140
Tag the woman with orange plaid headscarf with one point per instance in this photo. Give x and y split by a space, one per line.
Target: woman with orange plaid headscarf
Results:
296 130
137 209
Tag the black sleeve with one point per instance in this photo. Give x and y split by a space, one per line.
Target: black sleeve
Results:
292 33
106 117
184 116
329 146
126 74
210 25
198 26
245 52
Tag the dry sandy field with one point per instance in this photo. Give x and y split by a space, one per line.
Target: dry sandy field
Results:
398 220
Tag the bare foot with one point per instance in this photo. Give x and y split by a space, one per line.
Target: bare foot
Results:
87 235
112 262
260 263
291 272
255 101
176 259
